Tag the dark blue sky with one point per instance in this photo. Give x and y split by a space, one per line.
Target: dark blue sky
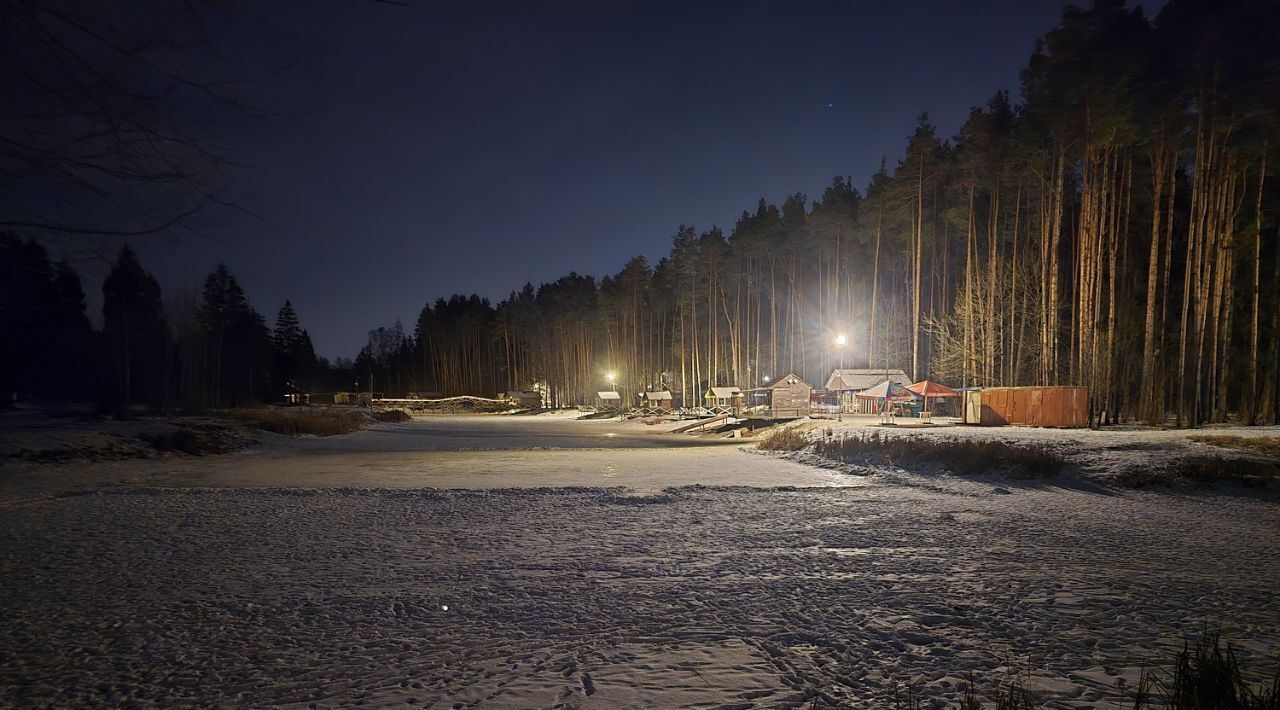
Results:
476 147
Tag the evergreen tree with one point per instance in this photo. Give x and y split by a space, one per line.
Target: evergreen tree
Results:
238 341
294 358
135 334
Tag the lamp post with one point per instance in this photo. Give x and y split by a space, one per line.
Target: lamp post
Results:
841 341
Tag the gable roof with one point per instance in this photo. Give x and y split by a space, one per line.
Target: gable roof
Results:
661 395
865 378
723 393
608 395
791 378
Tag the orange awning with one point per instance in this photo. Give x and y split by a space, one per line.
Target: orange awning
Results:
929 388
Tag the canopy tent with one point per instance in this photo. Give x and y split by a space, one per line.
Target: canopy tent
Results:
887 391
891 391
929 388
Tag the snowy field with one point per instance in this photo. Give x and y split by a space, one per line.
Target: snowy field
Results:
329 573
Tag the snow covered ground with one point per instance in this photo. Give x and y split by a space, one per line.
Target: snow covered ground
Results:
333 572
1101 455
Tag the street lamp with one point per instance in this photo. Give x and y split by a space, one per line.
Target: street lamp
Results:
841 341
612 376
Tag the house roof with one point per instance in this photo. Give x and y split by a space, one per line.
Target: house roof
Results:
723 393
866 378
608 395
790 379
663 394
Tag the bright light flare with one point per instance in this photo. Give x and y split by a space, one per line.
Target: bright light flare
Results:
842 339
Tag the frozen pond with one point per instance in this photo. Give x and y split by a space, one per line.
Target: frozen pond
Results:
699 597
597 565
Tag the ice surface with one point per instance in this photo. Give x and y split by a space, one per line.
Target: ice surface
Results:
331 572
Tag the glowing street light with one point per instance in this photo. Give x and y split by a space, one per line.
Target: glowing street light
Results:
612 376
766 379
842 340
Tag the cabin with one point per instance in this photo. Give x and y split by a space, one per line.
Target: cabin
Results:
785 398
654 403
354 399
608 401
523 400
1061 407
845 384
723 400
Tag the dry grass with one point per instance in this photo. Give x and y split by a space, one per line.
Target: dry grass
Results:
1265 445
1208 676
785 439
197 440
300 421
964 457
1207 471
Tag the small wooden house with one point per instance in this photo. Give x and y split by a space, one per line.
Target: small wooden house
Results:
524 400
723 400
357 399
789 397
609 401
658 402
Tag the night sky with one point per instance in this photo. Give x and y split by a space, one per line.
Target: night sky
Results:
476 147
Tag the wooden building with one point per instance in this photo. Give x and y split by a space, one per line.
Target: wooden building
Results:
609 401
356 399
845 384
525 400
1064 407
723 400
658 402
789 397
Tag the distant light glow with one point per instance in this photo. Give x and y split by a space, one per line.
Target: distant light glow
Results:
444 607
842 339
767 378
612 376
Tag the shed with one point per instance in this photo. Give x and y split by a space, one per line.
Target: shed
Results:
657 402
789 397
1065 407
361 399
723 401
608 401
523 399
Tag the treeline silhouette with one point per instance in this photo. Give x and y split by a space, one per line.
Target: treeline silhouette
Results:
1116 228
219 353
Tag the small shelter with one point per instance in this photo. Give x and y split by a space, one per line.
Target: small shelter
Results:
723 400
929 388
886 392
657 402
789 397
524 400
846 383
609 401
354 399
